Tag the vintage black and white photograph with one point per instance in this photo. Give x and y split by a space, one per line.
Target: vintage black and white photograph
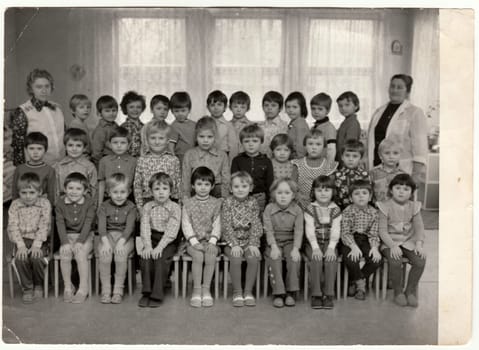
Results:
221 175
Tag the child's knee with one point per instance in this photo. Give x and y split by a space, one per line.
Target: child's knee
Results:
106 258
38 262
121 258
197 256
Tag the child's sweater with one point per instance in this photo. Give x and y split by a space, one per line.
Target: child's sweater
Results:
350 129
322 224
47 179
240 222
343 178
100 140
201 219
297 130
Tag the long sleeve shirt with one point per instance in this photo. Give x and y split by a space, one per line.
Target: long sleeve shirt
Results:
350 129
282 225
271 128
100 140
329 133
112 217
322 224
111 164
400 223
134 129
150 164
201 219
226 139
240 222
214 159
360 220
182 134
29 221
343 178
260 168
74 217
47 179
162 217
82 165
297 130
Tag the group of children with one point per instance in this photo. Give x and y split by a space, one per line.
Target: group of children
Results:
245 189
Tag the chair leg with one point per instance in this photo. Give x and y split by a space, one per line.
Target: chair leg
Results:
130 277
225 278
377 277
185 278
10 279
258 280
177 283
385 279
338 280
97 277
217 276
55 271
90 289
265 279
45 283
306 280
345 284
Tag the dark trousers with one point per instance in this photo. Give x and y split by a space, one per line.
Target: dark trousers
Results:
154 272
31 270
316 268
355 271
395 270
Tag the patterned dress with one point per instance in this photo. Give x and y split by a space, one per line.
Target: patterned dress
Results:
343 178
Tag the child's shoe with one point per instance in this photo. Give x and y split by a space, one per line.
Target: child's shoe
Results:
411 300
144 301
400 299
154 303
105 298
352 290
290 300
68 294
278 301
27 297
316 302
79 297
238 300
207 299
195 300
360 289
249 299
328 302
116 298
37 292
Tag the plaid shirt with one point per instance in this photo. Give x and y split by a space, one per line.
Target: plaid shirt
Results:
343 178
134 129
162 217
358 220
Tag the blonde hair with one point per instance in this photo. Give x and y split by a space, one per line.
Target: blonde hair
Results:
116 180
151 128
274 186
243 176
388 143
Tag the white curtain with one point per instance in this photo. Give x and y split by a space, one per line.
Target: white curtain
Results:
159 51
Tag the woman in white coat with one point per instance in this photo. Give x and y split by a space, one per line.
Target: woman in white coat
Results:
401 120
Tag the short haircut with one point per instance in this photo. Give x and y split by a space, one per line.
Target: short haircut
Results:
281 139
36 138
116 179
203 173
162 178
216 96
29 180
322 181
129 97
406 78
403 179
350 96
389 143
120 131
361 185
353 145
240 97
322 99
243 176
74 134
159 99
273 96
274 186
298 96
180 99
106 101
205 123
76 99
313 134
35 74
76 177
155 126
252 130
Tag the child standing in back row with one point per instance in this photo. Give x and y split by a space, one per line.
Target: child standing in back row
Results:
182 134
239 104
320 107
132 105
348 105
273 125
107 110
297 111
80 106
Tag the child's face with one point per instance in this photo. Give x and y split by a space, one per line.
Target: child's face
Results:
160 111
82 110
346 107
158 141
161 192
119 193
109 113
181 114
75 191
216 109
282 153
283 194
401 193
239 109
390 157
251 145
351 159
134 109
319 112
202 188
75 148
314 147
41 89
293 109
361 197
29 195
271 109
323 195
119 145
35 152
205 139
240 188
